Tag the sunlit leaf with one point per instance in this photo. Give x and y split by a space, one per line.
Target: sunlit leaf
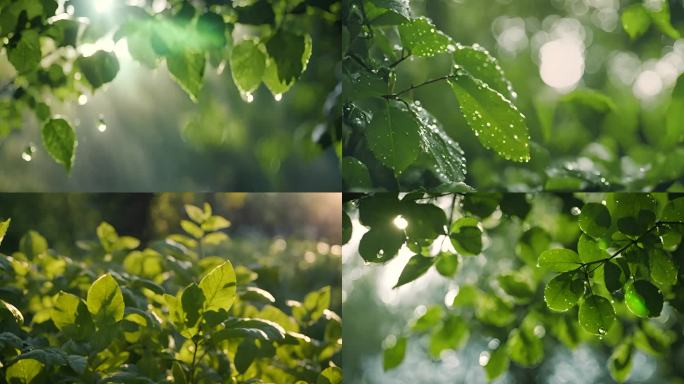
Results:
247 64
414 268
393 355
481 65
105 301
187 69
643 298
100 68
497 123
559 260
594 220
59 139
422 38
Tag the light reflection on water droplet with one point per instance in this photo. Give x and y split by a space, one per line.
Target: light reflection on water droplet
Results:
101 124
82 100
575 211
278 97
248 97
27 155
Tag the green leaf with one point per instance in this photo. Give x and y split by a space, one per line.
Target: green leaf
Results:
620 362
381 244
559 260
70 315
187 69
192 301
428 320
215 223
313 306
660 14
516 285
643 298
589 250
595 220
346 228
447 264
105 301
444 156
24 371
414 268
466 236
524 347
635 20
663 269
393 355
596 314
497 363
288 51
400 8
179 376
245 355
425 221
219 286
355 174
634 213
563 291
33 244
452 334
192 229
674 119
272 76
99 68
4 225
614 277
495 120
590 98
14 313
59 139
26 55
483 66
330 375
422 38
195 213
393 136
248 64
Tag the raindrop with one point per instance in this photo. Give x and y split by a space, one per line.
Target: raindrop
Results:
248 97
27 155
101 124
82 100
575 211
278 96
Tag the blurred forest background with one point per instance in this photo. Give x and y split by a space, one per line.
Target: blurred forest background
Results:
142 133
293 240
555 52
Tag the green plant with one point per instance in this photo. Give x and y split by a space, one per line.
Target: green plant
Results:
62 50
594 268
167 312
401 70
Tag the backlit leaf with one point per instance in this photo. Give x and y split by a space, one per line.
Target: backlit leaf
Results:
414 268
596 314
422 38
559 260
393 136
105 301
59 139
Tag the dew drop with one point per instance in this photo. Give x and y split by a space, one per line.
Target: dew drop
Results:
278 96
575 211
101 124
82 100
27 155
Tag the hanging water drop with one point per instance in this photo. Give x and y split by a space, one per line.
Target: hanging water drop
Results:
278 96
101 124
27 155
248 97
82 100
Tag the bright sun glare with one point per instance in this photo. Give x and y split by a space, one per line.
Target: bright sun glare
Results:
400 222
562 63
103 6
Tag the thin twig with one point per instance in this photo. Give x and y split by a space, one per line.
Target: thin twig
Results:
411 88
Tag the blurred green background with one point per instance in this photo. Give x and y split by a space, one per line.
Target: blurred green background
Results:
292 238
156 139
549 49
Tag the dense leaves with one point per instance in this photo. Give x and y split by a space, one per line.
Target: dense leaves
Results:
56 56
119 312
603 264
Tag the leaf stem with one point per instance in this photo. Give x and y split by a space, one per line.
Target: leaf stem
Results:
403 57
411 88
632 242
194 361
